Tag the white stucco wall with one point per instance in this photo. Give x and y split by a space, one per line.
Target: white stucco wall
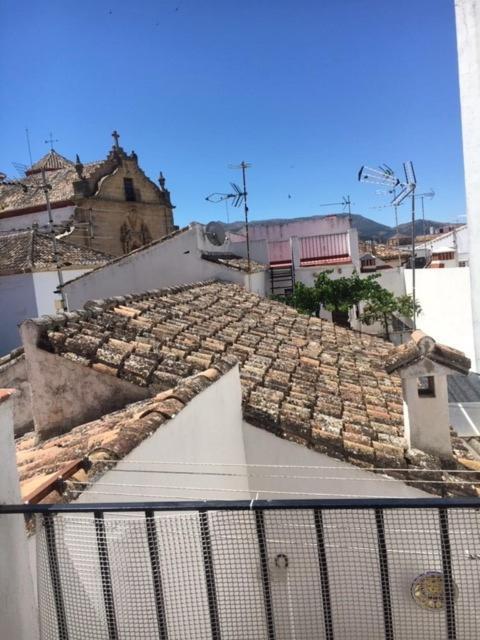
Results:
467 14
45 283
18 615
264 448
61 215
208 429
17 297
444 295
427 420
172 262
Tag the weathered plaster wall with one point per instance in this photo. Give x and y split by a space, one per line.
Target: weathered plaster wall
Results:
13 375
301 228
17 297
65 393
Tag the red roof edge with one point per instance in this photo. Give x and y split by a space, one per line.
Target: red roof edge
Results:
5 394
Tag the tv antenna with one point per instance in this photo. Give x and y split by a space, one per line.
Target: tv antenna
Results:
27 134
238 197
20 168
385 176
346 205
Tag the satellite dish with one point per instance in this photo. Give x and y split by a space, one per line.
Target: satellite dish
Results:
215 233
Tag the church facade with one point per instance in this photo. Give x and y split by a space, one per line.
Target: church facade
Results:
110 206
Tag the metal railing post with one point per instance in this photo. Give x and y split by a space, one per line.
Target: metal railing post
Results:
105 574
323 567
152 542
55 575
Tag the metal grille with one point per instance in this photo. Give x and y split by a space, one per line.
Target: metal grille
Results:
382 570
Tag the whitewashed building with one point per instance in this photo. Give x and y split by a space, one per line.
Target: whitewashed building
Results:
29 278
184 256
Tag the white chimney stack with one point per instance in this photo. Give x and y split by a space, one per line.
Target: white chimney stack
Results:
423 366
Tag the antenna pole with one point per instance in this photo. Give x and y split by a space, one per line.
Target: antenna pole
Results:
245 206
46 187
413 259
423 218
28 145
395 208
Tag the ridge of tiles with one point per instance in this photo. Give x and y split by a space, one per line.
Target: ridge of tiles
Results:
110 438
303 379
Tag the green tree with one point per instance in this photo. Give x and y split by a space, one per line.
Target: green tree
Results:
341 294
383 306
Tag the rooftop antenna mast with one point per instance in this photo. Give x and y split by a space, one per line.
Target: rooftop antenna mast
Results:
346 205
46 188
238 197
27 134
386 177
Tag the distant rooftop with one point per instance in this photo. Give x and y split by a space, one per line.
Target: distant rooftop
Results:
52 161
233 261
31 250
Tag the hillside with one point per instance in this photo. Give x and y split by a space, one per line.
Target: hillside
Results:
367 229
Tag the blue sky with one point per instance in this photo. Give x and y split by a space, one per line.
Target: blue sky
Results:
307 91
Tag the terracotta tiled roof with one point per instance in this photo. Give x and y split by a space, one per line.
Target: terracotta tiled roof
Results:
233 261
303 379
11 357
31 250
422 346
104 441
14 196
50 162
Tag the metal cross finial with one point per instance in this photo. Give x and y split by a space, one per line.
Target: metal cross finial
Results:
116 136
50 141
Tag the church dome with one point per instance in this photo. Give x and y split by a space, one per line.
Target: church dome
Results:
52 161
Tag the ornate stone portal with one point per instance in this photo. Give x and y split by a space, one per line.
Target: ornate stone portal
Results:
134 232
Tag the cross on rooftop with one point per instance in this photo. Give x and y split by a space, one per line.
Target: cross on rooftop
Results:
116 136
50 141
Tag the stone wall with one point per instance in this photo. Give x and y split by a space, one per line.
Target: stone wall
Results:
147 218
66 393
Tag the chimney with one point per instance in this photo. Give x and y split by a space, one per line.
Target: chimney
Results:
423 366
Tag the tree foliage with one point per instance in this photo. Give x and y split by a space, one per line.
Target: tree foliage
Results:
341 294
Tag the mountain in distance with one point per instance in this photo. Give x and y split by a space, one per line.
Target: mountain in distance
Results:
420 225
367 229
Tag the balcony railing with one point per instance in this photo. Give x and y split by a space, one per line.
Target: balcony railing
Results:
338 569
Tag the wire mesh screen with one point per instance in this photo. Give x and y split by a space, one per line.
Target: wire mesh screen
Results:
363 574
